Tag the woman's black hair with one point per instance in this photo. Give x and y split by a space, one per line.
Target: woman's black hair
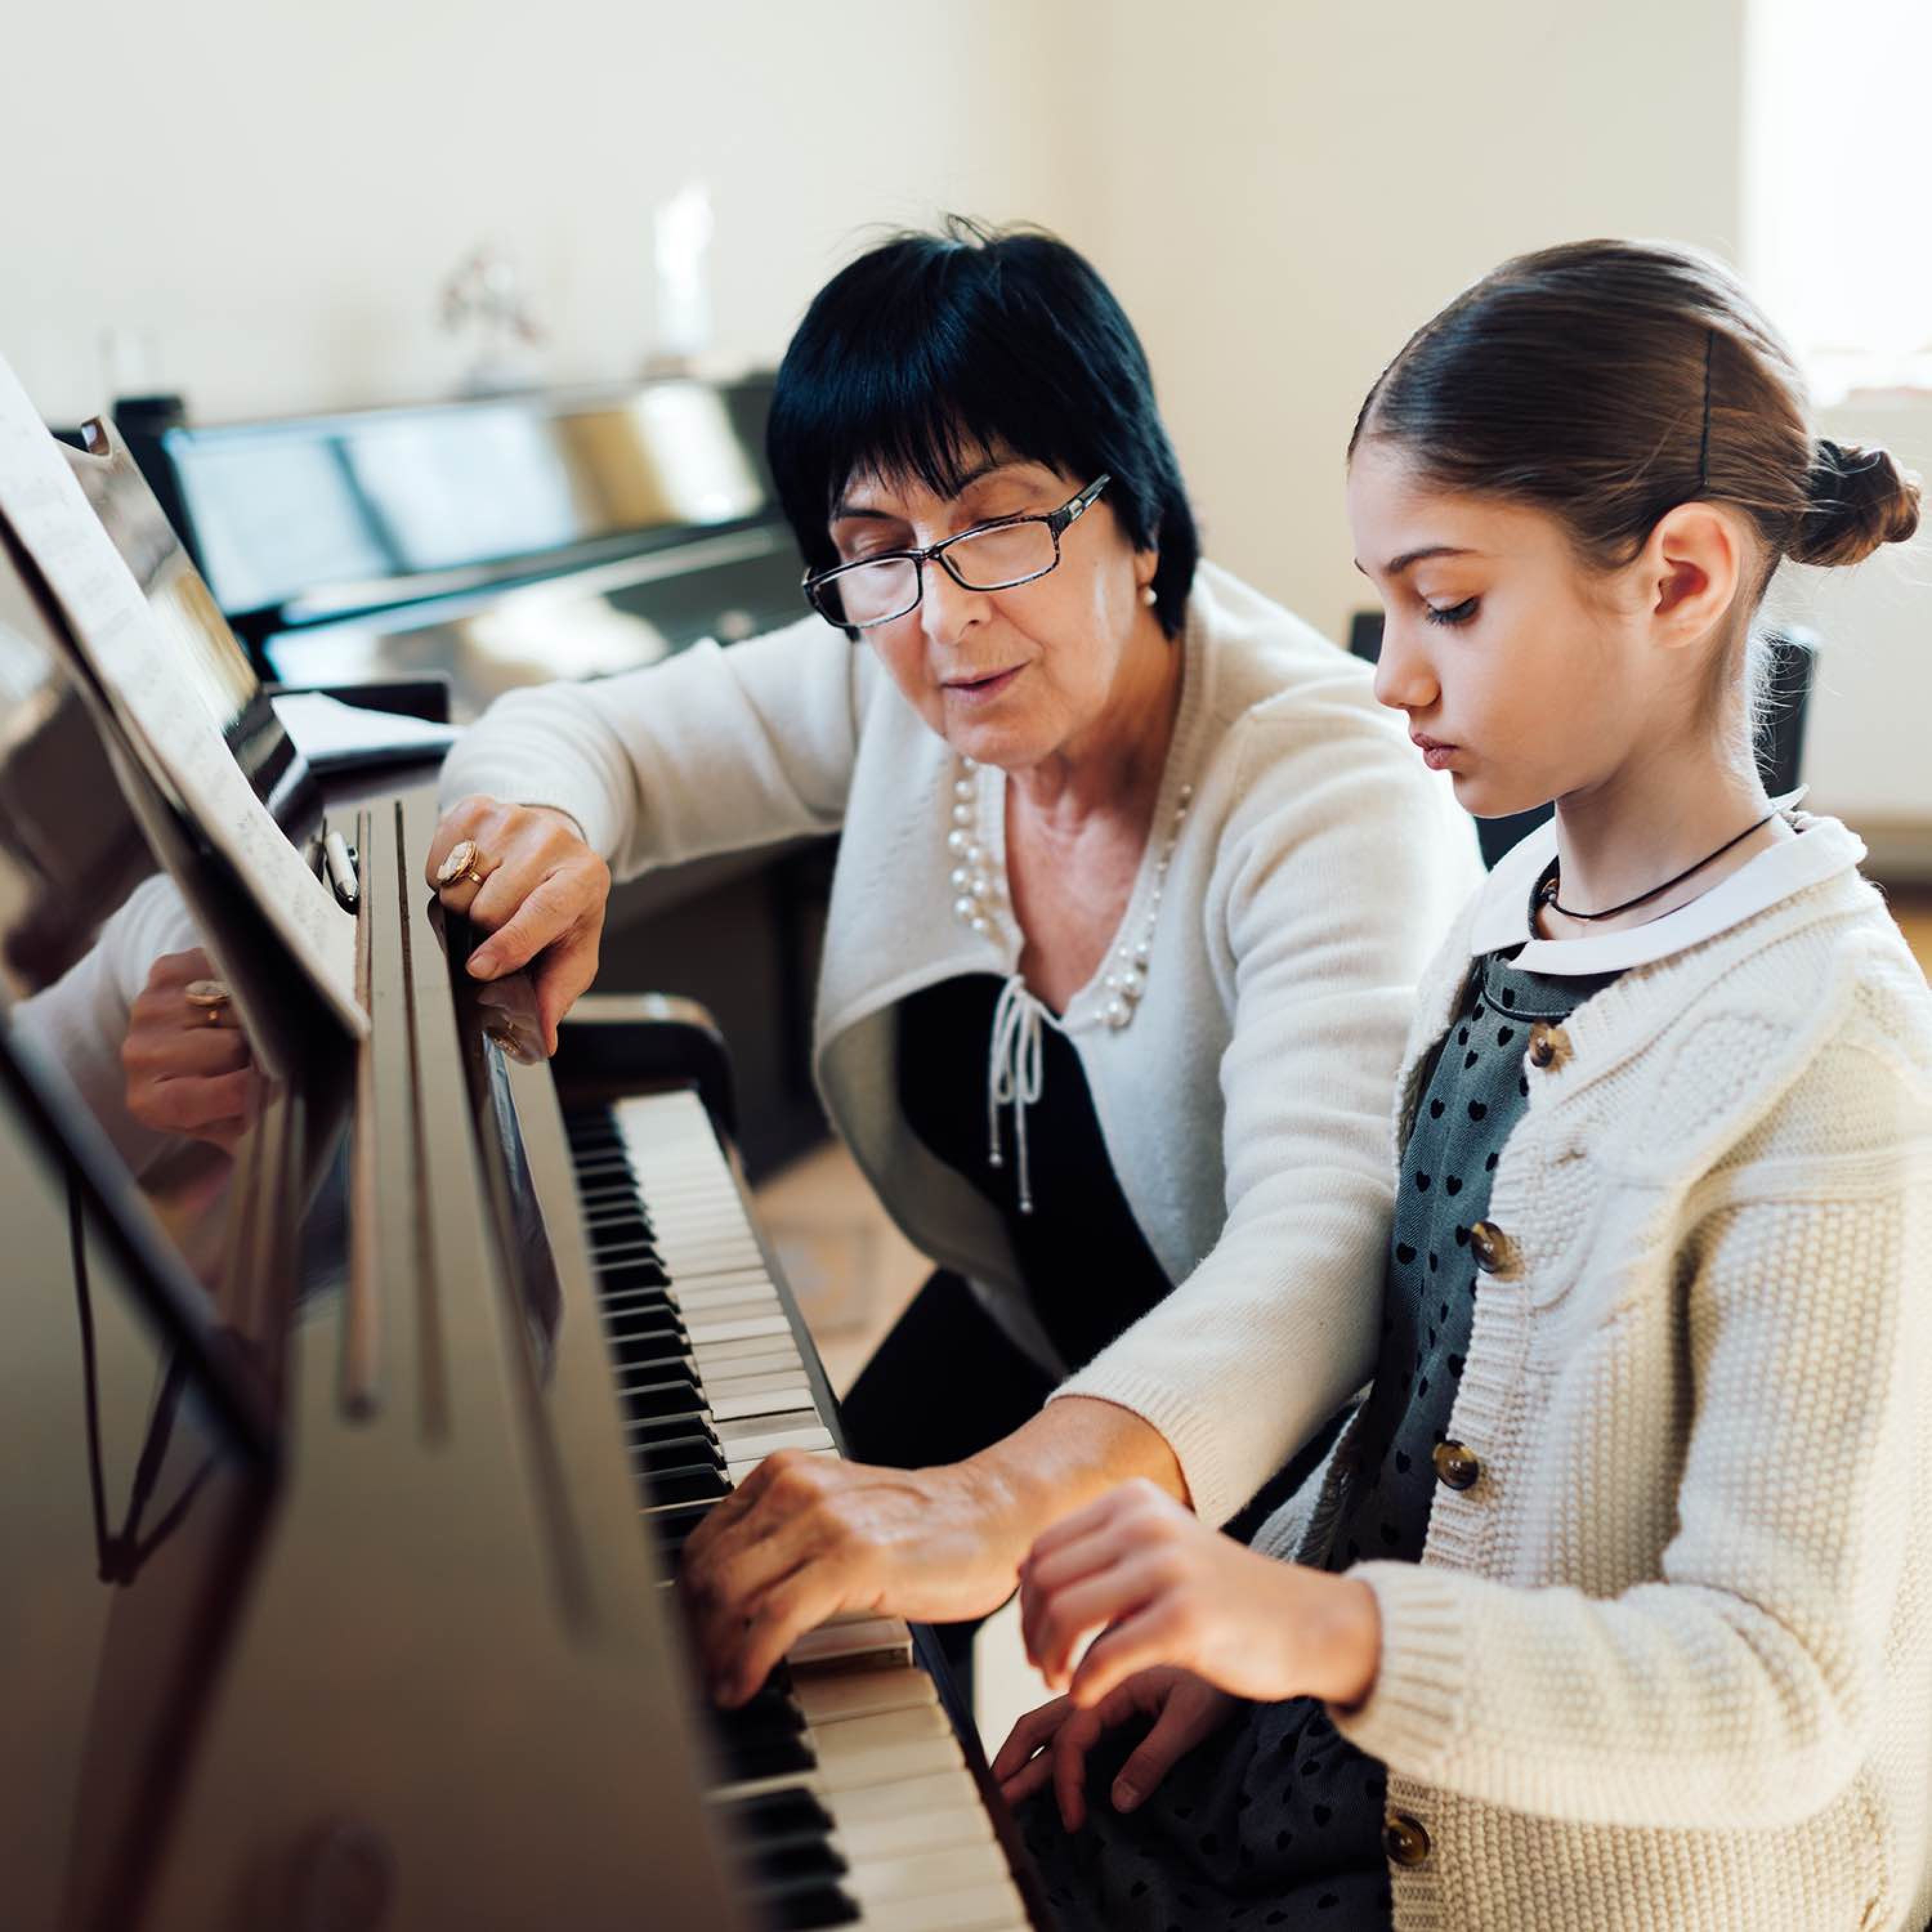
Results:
931 351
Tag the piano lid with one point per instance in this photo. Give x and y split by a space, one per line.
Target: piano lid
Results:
328 515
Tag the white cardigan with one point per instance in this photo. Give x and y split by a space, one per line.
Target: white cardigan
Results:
1244 1109
1669 1662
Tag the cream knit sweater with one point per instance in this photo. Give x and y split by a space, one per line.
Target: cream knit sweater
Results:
1244 1109
1669 1662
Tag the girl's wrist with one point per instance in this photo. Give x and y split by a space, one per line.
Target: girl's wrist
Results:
1354 1651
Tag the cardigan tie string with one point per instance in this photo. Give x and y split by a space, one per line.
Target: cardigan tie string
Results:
1013 1071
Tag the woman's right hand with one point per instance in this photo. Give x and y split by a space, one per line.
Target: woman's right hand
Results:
541 898
1052 1743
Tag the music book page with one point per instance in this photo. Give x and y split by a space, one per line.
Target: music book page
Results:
126 654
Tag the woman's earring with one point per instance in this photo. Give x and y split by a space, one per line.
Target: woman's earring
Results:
1149 596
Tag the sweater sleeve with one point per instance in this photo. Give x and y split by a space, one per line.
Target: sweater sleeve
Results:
1341 866
1736 1690
713 751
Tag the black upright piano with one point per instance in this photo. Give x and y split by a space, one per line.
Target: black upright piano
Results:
470 547
347 1443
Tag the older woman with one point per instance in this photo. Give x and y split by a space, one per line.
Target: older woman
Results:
1133 886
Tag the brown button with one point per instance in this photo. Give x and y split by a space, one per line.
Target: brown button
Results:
1457 1465
1496 1253
1549 1046
1404 1840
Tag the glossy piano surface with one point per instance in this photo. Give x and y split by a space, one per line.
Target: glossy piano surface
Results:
496 542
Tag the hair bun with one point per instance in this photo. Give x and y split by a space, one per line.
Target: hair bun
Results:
1858 499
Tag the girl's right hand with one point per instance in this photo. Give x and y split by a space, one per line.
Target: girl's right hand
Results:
1053 1742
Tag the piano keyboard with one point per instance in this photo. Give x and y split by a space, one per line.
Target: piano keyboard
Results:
845 1788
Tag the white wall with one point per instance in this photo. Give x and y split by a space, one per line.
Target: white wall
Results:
1287 190
273 193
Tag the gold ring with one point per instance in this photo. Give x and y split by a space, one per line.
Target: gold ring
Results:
460 867
211 996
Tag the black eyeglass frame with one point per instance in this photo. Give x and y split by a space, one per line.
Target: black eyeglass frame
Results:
1056 522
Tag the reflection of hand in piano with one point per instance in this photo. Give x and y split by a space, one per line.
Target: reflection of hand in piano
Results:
186 1075
541 898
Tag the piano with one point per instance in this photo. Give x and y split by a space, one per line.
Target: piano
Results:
345 1452
481 545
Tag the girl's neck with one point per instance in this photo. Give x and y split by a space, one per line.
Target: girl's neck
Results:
1664 809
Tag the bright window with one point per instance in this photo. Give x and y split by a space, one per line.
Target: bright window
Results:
1837 186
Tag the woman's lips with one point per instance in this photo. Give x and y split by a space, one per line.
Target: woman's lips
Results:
1436 753
977 691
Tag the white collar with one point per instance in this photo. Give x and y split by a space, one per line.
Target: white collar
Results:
1823 847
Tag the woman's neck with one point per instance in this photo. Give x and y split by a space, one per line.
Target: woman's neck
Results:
1664 809
1113 765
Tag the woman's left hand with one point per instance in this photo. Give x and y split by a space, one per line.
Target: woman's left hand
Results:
1161 1587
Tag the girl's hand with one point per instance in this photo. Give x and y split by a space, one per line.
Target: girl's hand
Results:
1161 1588
1053 1742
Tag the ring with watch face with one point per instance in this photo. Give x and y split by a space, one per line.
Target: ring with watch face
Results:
460 867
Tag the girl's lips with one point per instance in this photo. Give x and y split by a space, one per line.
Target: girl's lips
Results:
980 690
1436 753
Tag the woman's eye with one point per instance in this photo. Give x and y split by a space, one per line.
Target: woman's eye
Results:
1451 613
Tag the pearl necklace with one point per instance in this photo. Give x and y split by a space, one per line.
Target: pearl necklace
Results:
977 892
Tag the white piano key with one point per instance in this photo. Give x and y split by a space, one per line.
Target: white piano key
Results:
853 1640
983 1908
783 1396
956 1868
937 1793
735 1327
763 1436
826 1698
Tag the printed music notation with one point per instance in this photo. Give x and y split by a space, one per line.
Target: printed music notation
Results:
125 653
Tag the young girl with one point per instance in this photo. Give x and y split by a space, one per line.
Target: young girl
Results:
1613 1606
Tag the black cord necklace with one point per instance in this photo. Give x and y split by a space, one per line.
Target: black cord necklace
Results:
1553 882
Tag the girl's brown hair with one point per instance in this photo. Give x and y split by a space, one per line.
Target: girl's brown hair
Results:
1608 382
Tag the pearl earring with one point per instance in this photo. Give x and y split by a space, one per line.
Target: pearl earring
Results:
1148 596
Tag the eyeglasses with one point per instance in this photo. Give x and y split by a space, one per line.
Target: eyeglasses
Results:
989 557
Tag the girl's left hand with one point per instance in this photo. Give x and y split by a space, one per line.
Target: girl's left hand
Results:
1161 1587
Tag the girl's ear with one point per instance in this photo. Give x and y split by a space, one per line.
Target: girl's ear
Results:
1693 567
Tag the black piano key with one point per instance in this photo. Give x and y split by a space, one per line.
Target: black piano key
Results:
634 1332
677 1450
669 1395
779 1817
804 1906
805 1859
663 1429
687 1486
623 1277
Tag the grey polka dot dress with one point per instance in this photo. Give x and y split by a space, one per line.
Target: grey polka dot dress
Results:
1278 1820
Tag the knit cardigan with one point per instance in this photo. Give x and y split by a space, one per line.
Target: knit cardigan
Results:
1668 1663
1243 1109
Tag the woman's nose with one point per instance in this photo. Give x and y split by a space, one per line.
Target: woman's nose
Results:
947 609
1404 680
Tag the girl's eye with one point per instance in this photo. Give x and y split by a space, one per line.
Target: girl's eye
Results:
1451 614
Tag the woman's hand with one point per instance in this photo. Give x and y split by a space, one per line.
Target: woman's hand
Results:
804 1538
1054 1742
1161 1588
542 898
186 1074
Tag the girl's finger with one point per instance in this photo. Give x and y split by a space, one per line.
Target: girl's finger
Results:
1031 1776
1176 1731
1146 1637
1115 1593
1076 1738
1027 1735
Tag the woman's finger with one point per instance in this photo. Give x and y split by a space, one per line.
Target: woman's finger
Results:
550 911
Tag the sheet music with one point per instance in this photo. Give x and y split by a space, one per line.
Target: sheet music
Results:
127 655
